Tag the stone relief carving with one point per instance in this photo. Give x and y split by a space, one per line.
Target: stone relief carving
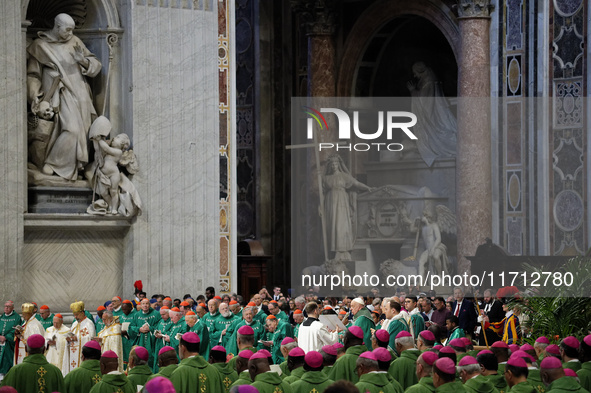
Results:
436 128
119 195
57 68
340 206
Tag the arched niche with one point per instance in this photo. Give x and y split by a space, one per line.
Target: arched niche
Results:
95 21
380 23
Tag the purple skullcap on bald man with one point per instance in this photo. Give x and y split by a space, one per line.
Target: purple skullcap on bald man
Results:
382 354
368 355
245 354
93 344
246 389
500 344
514 347
287 340
522 354
446 366
427 335
447 350
587 340
191 337
7 389
35 341
165 349
219 348
296 352
142 353
265 352
553 349
438 347
110 355
429 357
517 362
457 342
485 351
467 360
550 362
330 349
312 359
356 331
382 335
543 340
571 342
258 355
159 385
246 330
402 334
526 347
570 373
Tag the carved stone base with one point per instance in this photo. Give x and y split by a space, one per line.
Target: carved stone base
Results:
59 200
36 178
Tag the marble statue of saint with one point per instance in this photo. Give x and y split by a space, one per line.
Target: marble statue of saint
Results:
434 259
436 127
340 205
118 192
57 67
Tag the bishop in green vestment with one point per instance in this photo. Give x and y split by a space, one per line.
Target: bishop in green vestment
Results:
313 377
370 378
295 364
217 358
146 320
241 362
247 320
403 369
424 371
167 362
222 323
8 321
210 320
138 370
516 374
35 374
265 380
585 375
193 325
88 374
194 374
112 380
444 377
129 336
344 367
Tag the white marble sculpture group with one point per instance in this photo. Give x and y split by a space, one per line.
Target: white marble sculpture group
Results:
63 121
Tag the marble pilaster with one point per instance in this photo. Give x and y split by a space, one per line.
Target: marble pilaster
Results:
473 170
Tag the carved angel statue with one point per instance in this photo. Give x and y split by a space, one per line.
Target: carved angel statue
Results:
119 195
435 257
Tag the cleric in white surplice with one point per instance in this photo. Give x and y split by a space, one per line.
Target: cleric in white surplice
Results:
313 335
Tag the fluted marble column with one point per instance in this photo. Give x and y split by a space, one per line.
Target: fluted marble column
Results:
473 172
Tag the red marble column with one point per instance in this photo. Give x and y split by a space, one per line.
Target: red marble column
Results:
473 163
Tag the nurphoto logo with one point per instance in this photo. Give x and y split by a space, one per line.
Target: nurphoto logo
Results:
392 120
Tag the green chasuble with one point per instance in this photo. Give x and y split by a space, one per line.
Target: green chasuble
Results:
118 313
48 321
344 367
397 386
418 324
220 324
99 325
194 374
451 387
165 372
243 379
584 375
84 377
499 381
296 374
573 365
522 387
534 379
480 384
375 382
232 346
203 334
456 333
159 343
173 330
283 317
114 383
147 340
210 321
311 380
296 330
138 376
33 375
132 333
7 324
394 327
365 322
425 385
284 370
270 382
565 385
228 375
261 316
280 333
404 368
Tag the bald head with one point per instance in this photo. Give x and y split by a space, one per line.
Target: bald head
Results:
258 366
167 358
108 365
64 20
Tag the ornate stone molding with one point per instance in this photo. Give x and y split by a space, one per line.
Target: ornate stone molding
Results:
474 8
317 16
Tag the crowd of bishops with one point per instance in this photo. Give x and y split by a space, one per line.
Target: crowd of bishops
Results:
273 344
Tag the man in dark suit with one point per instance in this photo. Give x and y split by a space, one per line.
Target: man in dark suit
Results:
492 308
465 311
